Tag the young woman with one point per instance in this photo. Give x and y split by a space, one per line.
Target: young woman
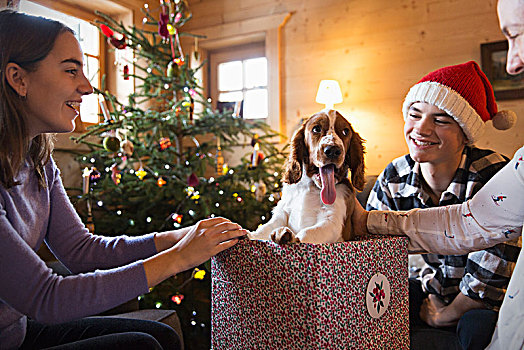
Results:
41 88
444 115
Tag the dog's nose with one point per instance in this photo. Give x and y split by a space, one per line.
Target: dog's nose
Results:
332 151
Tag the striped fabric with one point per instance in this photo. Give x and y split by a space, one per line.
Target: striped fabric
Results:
480 275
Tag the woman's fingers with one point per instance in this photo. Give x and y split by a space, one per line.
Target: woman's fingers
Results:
220 228
226 245
233 234
205 223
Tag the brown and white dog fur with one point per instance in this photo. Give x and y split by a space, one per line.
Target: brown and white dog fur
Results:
317 196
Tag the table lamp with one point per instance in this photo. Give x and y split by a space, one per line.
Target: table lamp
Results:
329 93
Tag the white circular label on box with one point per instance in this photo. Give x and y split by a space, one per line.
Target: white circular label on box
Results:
377 295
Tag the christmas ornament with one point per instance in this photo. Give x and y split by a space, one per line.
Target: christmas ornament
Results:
164 143
116 42
260 191
106 30
193 93
219 159
111 143
170 71
123 164
177 299
128 147
162 25
177 218
161 182
196 53
255 140
178 17
257 156
199 274
192 180
94 175
179 61
254 156
141 173
85 180
126 72
171 29
115 174
103 107
220 163
190 190
85 187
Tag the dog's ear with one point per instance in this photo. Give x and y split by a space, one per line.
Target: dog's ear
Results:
297 156
355 160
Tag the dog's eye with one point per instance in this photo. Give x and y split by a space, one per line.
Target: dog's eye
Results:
316 129
345 132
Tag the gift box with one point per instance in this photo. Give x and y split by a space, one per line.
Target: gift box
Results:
351 295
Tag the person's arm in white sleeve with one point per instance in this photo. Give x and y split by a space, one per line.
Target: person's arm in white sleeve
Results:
495 214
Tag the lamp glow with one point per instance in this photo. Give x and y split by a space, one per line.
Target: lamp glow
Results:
329 93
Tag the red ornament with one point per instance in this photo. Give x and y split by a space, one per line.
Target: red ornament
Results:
260 157
162 25
107 31
118 43
177 299
179 61
161 182
164 143
192 180
177 218
126 72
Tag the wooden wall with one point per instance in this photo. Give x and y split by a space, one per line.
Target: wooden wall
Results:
377 50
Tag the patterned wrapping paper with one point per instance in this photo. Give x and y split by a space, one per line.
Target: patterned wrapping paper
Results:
305 296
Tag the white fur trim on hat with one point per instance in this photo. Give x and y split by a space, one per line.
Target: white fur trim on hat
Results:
449 101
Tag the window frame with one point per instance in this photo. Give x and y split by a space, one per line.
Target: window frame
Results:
228 54
264 29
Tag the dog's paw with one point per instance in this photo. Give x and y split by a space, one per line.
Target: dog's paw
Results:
283 235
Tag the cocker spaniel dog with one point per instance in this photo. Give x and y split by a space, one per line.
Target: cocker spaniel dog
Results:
317 196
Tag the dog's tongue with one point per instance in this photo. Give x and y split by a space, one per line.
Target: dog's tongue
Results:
327 175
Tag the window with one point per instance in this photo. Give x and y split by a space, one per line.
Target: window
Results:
240 74
89 39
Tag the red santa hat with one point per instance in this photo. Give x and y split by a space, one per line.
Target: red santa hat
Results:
464 92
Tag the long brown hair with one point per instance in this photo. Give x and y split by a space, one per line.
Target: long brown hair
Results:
25 40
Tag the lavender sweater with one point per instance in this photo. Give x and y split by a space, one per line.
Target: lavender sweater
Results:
107 271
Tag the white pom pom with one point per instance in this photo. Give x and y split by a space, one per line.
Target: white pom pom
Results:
504 120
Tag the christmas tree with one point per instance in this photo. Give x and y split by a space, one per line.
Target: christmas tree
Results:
156 161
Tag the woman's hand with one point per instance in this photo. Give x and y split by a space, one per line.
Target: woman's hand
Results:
199 243
204 240
359 219
167 239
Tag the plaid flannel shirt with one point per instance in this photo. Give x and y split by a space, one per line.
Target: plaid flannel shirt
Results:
481 275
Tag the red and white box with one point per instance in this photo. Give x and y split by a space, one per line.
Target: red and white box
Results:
351 295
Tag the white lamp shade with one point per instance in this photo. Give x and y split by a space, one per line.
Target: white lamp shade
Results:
329 93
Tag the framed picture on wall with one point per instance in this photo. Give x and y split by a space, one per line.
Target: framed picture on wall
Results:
493 60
